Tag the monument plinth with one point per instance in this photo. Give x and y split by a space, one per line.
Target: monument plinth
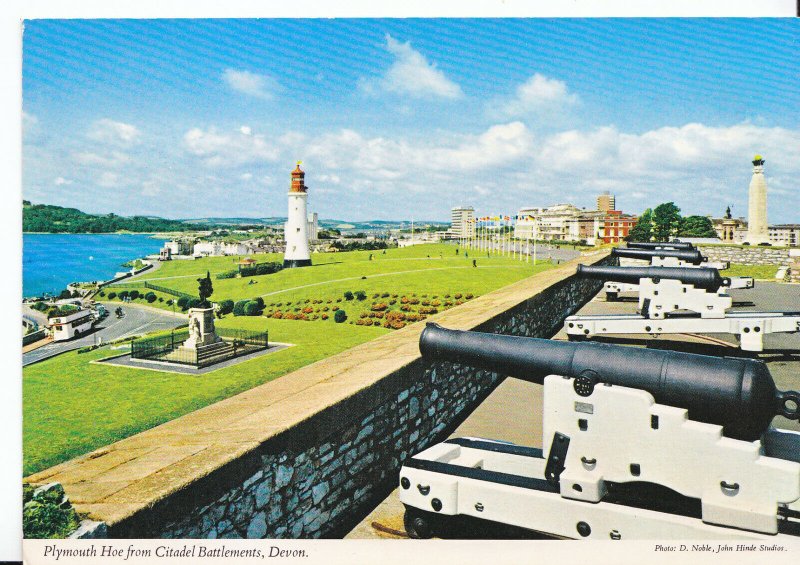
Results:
201 329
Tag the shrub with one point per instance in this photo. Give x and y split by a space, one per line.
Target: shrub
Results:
102 293
435 303
194 303
363 314
226 307
398 316
238 308
376 295
289 316
392 302
338 300
394 296
112 295
468 296
308 310
134 294
384 295
378 306
379 314
260 301
252 308
183 302
413 300
151 297
405 307
161 299
361 295
277 315
348 295
427 310
123 295
334 308
324 316
457 295
426 302
340 316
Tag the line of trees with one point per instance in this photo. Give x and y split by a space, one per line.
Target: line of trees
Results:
55 219
665 222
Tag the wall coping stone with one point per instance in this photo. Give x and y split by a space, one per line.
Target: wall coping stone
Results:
118 481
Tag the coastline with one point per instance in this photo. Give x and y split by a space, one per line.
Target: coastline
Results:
81 270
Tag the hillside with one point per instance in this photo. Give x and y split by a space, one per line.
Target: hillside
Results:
55 219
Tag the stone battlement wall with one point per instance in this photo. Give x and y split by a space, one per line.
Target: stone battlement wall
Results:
747 255
309 454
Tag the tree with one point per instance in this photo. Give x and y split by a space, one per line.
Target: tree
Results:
150 297
238 308
134 294
666 221
643 230
183 302
205 289
340 316
226 307
697 226
251 308
361 295
348 295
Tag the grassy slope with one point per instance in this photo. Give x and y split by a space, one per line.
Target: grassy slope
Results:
72 406
764 272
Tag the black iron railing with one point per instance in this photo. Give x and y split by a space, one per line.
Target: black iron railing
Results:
167 348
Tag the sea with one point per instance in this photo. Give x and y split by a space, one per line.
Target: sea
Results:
51 261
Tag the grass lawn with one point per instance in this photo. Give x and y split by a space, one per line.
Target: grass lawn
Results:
763 272
72 406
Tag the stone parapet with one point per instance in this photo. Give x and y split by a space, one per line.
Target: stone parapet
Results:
309 454
746 255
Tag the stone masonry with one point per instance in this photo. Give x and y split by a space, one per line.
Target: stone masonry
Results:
746 255
319 476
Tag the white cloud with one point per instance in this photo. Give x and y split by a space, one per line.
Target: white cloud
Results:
108 180
381 158
114 159
539 95
109 131
59 181
247 130
412 74
223 149
150 188
246 176
252 84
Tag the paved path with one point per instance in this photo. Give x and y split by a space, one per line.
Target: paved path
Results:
137 320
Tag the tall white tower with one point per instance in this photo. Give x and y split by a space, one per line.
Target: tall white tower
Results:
757 210
296 230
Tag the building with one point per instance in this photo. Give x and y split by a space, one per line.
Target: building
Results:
296 230
551 223
730 229
462 223
220 248
565 222
615 226
787 235
313 226
606 202
71 325
757 231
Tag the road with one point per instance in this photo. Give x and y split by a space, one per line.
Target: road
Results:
513 411
137 320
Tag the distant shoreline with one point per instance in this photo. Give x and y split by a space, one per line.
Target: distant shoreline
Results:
155 235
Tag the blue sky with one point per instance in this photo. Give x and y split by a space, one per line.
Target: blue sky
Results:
405 118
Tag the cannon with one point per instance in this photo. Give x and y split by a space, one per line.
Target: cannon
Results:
679 300
659 245
636 444
686 256
667 257
706 279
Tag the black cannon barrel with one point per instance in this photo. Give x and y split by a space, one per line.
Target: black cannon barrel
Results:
692 256
737 394
656 244
705 278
